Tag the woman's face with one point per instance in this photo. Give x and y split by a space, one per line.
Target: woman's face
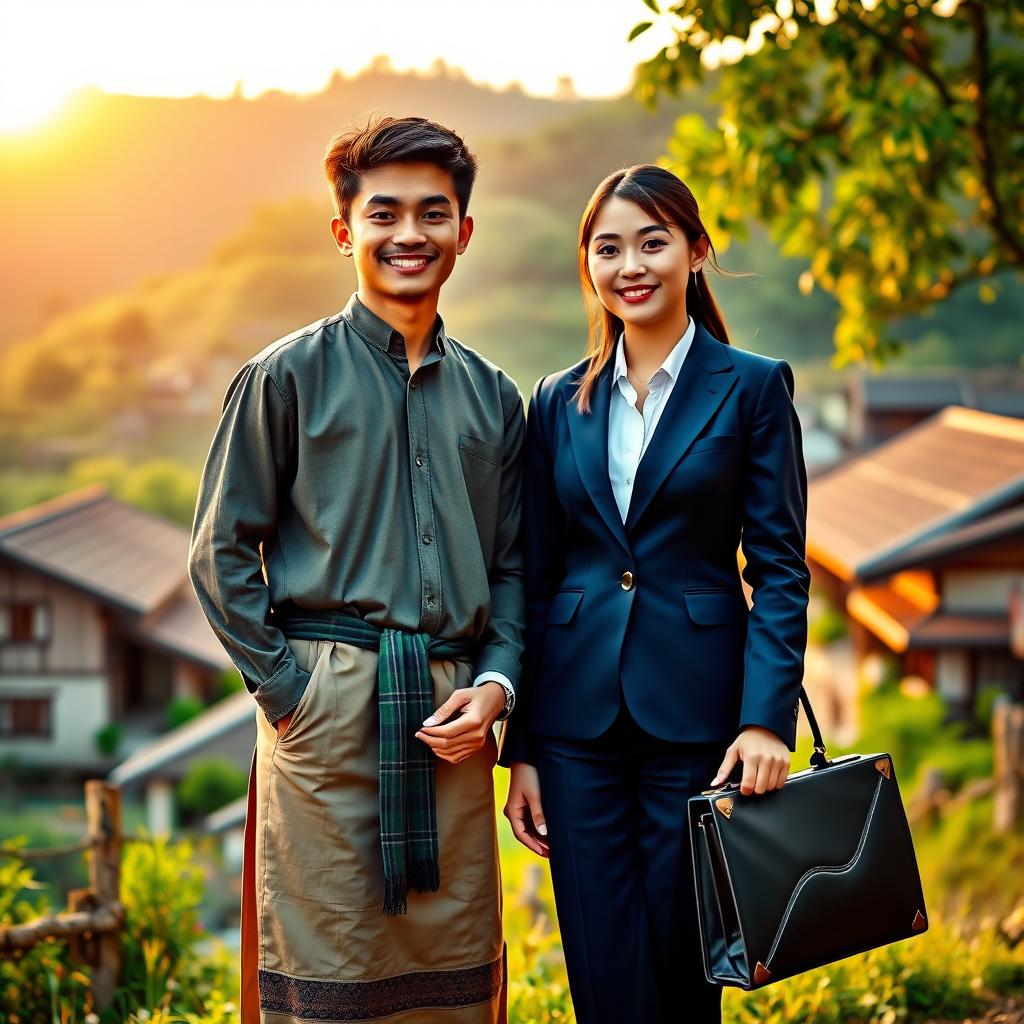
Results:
639 266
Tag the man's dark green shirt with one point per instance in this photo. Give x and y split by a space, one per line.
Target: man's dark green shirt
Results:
335 480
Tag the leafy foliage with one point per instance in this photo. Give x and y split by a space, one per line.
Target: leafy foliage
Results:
881 140
209 784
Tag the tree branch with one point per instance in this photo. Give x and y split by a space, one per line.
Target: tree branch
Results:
911 56
982 137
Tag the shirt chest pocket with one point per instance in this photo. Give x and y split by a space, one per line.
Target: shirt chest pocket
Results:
481 470
468 444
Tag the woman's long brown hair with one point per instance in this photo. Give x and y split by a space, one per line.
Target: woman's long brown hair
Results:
666 199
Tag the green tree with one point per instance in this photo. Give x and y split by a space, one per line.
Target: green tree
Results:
883 140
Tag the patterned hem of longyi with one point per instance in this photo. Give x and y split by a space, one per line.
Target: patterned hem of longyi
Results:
335 1001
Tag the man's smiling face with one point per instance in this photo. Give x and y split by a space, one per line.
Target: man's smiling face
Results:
403 230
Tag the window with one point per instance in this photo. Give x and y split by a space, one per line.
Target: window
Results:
25 716
24 622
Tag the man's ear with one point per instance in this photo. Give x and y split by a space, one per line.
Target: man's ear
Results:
342 236
465 233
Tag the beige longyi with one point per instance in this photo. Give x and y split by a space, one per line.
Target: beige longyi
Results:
315 944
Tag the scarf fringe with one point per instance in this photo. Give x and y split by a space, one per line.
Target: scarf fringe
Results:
422 876
394 896
425 875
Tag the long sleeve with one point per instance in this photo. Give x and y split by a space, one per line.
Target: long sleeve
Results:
773 542
543 537
501 644
249 464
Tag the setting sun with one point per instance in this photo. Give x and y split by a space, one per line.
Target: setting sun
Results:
50 50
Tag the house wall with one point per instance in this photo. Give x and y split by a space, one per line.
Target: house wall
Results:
979 590
78 707
76 628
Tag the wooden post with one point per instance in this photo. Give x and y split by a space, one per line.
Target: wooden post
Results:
1008 763
103 817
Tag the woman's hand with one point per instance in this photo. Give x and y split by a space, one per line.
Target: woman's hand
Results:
523 809
466 734
765 760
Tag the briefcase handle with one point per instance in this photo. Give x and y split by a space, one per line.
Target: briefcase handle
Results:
818 757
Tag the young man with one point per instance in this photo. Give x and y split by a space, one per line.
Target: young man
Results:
355 548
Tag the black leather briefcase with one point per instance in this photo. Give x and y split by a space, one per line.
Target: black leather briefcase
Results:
805 875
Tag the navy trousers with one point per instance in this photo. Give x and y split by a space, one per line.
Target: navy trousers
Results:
621 869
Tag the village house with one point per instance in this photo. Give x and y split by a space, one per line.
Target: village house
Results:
921 542
882 405
99 628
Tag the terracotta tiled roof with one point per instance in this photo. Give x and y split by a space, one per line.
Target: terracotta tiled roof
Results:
121 555
96 543
949 470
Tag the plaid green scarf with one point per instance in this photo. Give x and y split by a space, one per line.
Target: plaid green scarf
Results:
408 819
408 822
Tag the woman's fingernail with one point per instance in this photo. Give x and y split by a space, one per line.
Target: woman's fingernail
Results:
430 721
542 829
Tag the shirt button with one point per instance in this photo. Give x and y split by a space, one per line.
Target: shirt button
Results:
426 538
419 461
627 580
629 480
414 385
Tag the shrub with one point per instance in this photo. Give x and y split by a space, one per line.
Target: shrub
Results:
108 739
210 784
183 709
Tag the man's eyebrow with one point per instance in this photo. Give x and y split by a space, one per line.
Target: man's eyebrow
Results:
642 231
382 200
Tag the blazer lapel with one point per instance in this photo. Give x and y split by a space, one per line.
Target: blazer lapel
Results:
589 435
705 379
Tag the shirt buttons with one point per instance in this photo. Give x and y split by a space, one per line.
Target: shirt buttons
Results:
426 538
414 385
419 461
627 580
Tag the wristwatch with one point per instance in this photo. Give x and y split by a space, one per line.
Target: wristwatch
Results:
510 697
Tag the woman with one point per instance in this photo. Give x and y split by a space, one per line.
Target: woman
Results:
646 679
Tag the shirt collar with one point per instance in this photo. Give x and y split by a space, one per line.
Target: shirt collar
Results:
381 334
673 361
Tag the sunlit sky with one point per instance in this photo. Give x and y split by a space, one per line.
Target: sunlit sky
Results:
50 49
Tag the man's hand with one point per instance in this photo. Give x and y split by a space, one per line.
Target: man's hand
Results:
456 740
765 760
282 723
523 809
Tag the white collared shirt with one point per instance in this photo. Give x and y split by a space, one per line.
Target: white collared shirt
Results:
629 430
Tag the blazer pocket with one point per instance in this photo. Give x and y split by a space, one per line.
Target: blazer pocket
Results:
563 607
712 443
481 449
714 607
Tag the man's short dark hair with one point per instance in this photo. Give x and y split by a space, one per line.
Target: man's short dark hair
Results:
388 140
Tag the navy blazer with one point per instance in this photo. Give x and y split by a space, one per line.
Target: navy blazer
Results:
652 611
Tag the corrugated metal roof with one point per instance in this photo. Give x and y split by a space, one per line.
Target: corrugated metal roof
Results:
948 470
891 392
96 543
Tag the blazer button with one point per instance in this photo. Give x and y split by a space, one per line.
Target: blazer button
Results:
627 580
